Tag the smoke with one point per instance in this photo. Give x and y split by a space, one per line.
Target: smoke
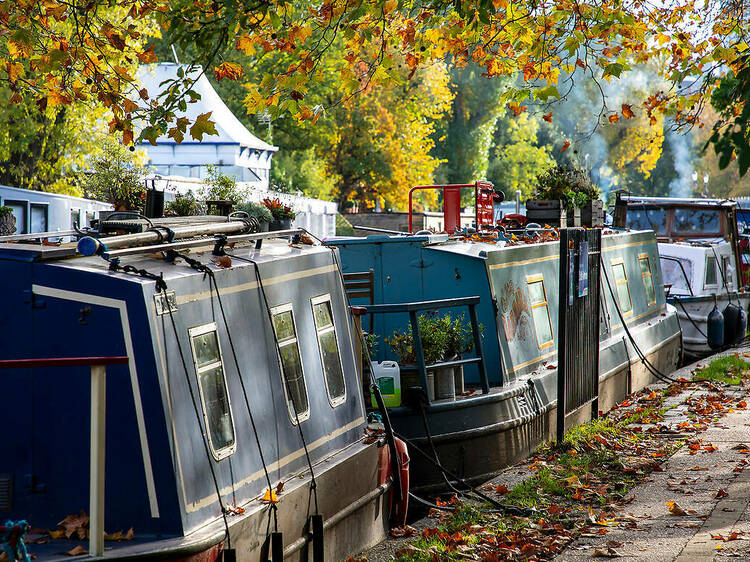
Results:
683 165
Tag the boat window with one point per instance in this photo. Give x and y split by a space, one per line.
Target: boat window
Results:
539 310
212 387
677 273
648 279
329 349
291 362
711 278
690 221
647 218
621 286
726 266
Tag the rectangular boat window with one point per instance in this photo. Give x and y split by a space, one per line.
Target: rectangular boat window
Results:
329 349
291 363
647 218
212 387
539 310
621 286
711 277
691 221
648 279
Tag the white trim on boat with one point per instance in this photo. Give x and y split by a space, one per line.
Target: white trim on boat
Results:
122 307
182 299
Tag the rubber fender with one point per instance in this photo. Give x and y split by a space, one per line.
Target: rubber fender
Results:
731 319
715 329
399 510
741 324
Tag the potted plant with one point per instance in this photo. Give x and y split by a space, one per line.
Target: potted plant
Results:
220 191
260 212
434 346
282 214
183 206
7 221
565 196
460 341
116 177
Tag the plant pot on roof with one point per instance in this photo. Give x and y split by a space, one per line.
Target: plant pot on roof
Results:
7 221
282 214
259 212
565 196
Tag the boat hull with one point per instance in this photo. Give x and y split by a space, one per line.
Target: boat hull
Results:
692 313
473 444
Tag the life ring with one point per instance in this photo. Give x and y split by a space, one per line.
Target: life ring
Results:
401 506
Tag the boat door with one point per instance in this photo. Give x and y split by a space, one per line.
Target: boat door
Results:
70 324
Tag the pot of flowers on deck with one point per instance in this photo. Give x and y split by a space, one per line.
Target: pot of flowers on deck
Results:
260 213
282 214
434 347
565 196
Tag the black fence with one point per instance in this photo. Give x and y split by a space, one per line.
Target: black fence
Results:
578 327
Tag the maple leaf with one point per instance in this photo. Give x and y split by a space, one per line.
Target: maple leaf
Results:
501 489
129 106
75 524
147 56
516 108
614 118
565 147
548 117
722 493
228 70
627 111
77 551
203 126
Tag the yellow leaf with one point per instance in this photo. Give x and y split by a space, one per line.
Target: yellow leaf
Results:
270 497
389 6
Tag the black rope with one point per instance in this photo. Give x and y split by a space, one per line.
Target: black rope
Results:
207 271
313 483
204 438
687 314
646 363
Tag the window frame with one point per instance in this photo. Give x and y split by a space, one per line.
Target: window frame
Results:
224 452
613 263
320 299
645 256
279 309
705 272
537 278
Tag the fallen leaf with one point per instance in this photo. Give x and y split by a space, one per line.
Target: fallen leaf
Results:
77 551
605 553
270 497
722 493
501 489
280 487
404 531
675 509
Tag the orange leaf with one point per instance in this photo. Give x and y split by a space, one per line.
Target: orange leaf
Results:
501 489
77 551
722 493
548 117
516 109
627 111
565 147
270 497
675 509
614 118
147 56
228 70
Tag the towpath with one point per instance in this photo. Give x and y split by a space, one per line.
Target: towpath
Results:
688 498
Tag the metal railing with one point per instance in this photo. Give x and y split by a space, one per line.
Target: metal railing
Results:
98 417
412 308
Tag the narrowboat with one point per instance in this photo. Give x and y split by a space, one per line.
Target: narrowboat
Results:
509 400
191 388
702 265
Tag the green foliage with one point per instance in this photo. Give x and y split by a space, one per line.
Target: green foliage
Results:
304 171
257 210
729 369
517 157
183 205
343 226
731 132
572 186
220 186
5 210
116 177
443 337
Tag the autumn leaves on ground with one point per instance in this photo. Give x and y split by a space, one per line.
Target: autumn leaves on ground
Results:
581 488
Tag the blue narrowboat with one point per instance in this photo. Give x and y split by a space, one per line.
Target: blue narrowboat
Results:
191 388
509 406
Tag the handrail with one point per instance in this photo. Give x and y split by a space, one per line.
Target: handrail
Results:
413 307
97 446
455 203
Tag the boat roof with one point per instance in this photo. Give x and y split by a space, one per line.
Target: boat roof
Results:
677 202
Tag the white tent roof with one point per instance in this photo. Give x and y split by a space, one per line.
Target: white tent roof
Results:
230 129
